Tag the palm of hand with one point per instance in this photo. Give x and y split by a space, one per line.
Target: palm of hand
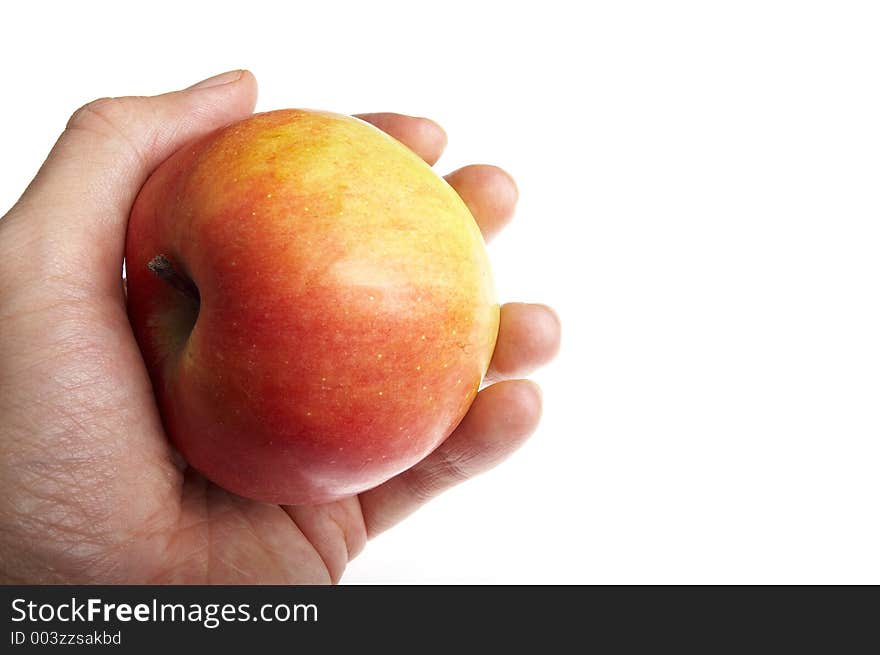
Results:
91 489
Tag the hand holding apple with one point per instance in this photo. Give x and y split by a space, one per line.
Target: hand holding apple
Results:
90 488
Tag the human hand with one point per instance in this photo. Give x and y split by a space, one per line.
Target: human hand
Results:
91 491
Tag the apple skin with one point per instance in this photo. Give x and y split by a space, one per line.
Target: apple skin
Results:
346 312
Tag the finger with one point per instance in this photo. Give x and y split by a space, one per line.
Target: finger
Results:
499 421
79 201
421 135
489 192
528 337
335 530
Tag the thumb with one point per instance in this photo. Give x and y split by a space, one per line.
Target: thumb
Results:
72 218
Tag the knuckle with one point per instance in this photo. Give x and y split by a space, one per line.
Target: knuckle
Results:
438 473
104 115
89 112
117 121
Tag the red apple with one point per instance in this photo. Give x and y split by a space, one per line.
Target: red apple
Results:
313 303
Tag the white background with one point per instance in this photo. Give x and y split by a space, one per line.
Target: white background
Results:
700 188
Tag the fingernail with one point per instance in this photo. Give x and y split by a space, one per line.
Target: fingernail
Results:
217 80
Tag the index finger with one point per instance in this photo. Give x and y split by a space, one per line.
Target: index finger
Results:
421 135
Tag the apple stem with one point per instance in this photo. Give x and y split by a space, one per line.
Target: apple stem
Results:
161 266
